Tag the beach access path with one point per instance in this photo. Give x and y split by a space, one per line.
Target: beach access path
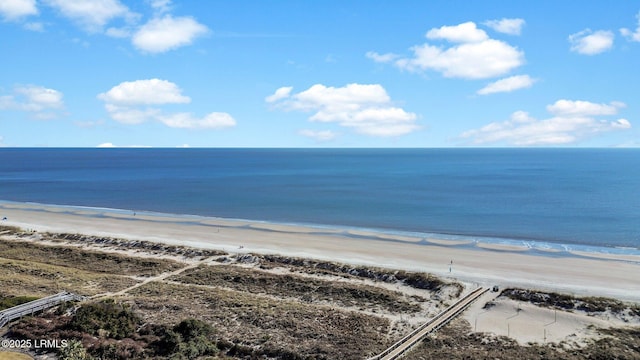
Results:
34 306
406 343
157 278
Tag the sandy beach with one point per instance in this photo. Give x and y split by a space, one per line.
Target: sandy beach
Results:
482 264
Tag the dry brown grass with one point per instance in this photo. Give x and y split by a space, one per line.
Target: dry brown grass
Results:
457 341
259 311
306 289
421 281
148 247
94 261
9 355
25 278
249 320
588 304
28 268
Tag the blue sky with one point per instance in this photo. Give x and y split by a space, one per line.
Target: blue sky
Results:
360 73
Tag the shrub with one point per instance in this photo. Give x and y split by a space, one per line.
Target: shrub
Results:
167 343
74 351
196 340
11 301
191 329
106 318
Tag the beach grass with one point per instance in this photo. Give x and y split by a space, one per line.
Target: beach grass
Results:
458 341
416 280
260 321
9 355
11 301
92 261
34 269
306 289
588 304
278 306
27 278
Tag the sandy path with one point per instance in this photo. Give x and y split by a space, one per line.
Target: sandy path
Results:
157 278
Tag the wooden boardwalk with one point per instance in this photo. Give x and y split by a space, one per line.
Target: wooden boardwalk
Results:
35 306
403 345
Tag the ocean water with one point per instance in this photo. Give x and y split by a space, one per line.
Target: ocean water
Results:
548 197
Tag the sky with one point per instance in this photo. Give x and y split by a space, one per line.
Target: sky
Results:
347 73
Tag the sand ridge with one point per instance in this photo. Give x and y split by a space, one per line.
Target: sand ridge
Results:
481 265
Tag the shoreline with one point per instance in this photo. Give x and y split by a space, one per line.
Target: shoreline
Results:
488 264
479 242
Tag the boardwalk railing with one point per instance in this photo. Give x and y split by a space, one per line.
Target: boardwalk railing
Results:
433 324
32 307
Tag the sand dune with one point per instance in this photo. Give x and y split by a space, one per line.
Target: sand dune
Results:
486 265
526 322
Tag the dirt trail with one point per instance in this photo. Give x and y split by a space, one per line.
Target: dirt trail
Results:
160 277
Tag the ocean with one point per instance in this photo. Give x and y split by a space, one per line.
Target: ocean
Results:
545 198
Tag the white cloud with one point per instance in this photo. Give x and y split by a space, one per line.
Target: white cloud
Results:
462 33
332 59
480 60
6 102
281 93
167 33
40 98
629 144
42 102
131 115
621 124
573 121
122 33
85 44
587 42
506 26
349 97
632 35
15 9
89 124
214 120
583 108
507 85
161 6
92 15
135 102
365 108
34 26
161 33
473 54
381 58
111 145
145 92
319 135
